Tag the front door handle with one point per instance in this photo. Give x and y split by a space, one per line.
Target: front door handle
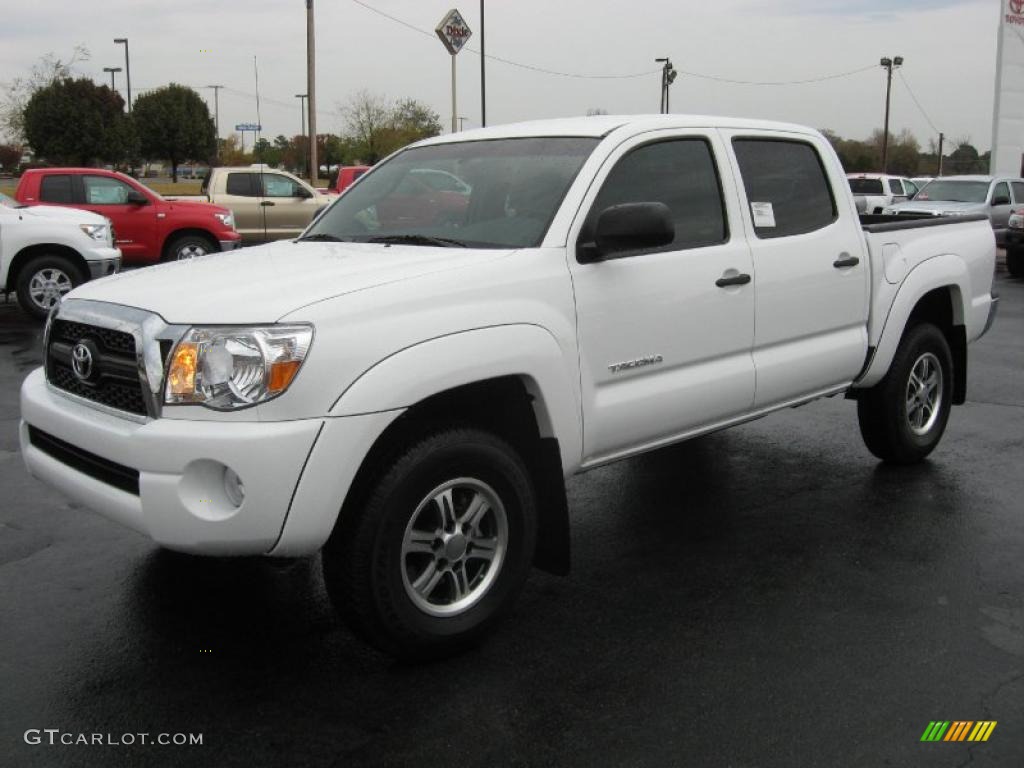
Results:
267 202
725 282
845 260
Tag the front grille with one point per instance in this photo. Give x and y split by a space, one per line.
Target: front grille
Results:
114 381
104 470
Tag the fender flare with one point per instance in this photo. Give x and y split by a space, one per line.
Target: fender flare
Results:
945 271
529 352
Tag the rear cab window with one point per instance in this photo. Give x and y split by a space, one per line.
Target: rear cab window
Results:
787 188
866 186
56 188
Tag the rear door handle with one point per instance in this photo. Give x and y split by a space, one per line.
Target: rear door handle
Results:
267 202
725 282
845 260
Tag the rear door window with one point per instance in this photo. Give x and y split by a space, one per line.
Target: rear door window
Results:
1018 191
240 184
786 186
56 188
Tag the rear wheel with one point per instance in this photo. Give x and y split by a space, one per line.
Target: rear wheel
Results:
1015 262
438 549
902 418
43 282
188 247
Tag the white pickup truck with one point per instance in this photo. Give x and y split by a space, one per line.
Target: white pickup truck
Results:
408 397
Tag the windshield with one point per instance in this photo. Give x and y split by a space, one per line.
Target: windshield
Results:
949 191
866 186
489 194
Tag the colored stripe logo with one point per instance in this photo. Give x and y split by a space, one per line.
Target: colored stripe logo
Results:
958 730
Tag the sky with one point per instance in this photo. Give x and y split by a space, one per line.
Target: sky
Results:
948 47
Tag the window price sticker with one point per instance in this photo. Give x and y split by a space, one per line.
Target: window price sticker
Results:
763 213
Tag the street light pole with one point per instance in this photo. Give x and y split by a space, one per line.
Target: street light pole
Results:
302 101
127 69
216 109
311 91
888 65
112 70
668 76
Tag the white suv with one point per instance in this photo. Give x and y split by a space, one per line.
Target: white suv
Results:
873 192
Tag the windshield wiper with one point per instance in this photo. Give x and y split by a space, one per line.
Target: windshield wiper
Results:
444 242
322 237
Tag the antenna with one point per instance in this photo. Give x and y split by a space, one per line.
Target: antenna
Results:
264 204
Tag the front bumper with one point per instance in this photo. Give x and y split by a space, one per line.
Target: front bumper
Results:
295 473
103 262
231 244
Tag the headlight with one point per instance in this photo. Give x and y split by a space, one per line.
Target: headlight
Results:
235 367
227 219
98 232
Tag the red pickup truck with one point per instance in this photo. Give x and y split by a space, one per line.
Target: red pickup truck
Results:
346 175
148 228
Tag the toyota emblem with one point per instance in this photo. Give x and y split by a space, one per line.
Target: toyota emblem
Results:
81 361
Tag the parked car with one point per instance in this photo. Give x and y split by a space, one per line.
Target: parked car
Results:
346 175
267 204
149 228
967 195
874 191
46 251
411 398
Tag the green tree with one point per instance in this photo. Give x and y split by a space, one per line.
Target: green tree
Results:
964 159
16 93
267 152
77 121
376 128
10 157
174 123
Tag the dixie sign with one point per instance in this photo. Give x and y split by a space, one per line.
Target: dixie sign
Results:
453 31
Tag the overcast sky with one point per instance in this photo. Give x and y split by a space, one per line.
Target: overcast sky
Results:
949 47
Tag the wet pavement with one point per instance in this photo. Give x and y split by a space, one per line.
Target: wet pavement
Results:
766 596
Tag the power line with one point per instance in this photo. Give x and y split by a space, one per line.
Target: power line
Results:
914 98
542 70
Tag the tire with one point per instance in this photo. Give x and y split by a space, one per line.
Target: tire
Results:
392 571
901 430
1015 262
189 247
44 280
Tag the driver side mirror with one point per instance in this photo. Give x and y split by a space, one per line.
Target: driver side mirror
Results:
628 227
134 197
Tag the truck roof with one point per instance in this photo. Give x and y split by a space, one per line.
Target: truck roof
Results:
601 125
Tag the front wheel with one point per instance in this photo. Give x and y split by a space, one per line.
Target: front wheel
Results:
43 282
439 547
902 418
188 247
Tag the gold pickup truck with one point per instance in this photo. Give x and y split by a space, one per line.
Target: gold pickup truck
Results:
268 204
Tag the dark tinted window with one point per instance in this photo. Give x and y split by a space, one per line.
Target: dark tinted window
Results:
241 184
895 186
679 173
1002 190
866 186
56 189
786 186
1018 191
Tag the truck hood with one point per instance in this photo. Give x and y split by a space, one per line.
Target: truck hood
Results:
193 205
937 207
60 213
262 284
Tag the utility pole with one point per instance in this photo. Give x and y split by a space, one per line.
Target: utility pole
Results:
112 70
216 113
302 100
311 91
668 76
888 65
942 138
483 74
127 69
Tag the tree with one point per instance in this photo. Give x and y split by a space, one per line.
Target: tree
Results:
77 121
17 92
174 123
231 152
965 158
376 128
10 157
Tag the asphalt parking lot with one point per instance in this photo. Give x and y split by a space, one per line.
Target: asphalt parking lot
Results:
767 596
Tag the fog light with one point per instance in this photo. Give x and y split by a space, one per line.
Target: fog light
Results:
233 487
